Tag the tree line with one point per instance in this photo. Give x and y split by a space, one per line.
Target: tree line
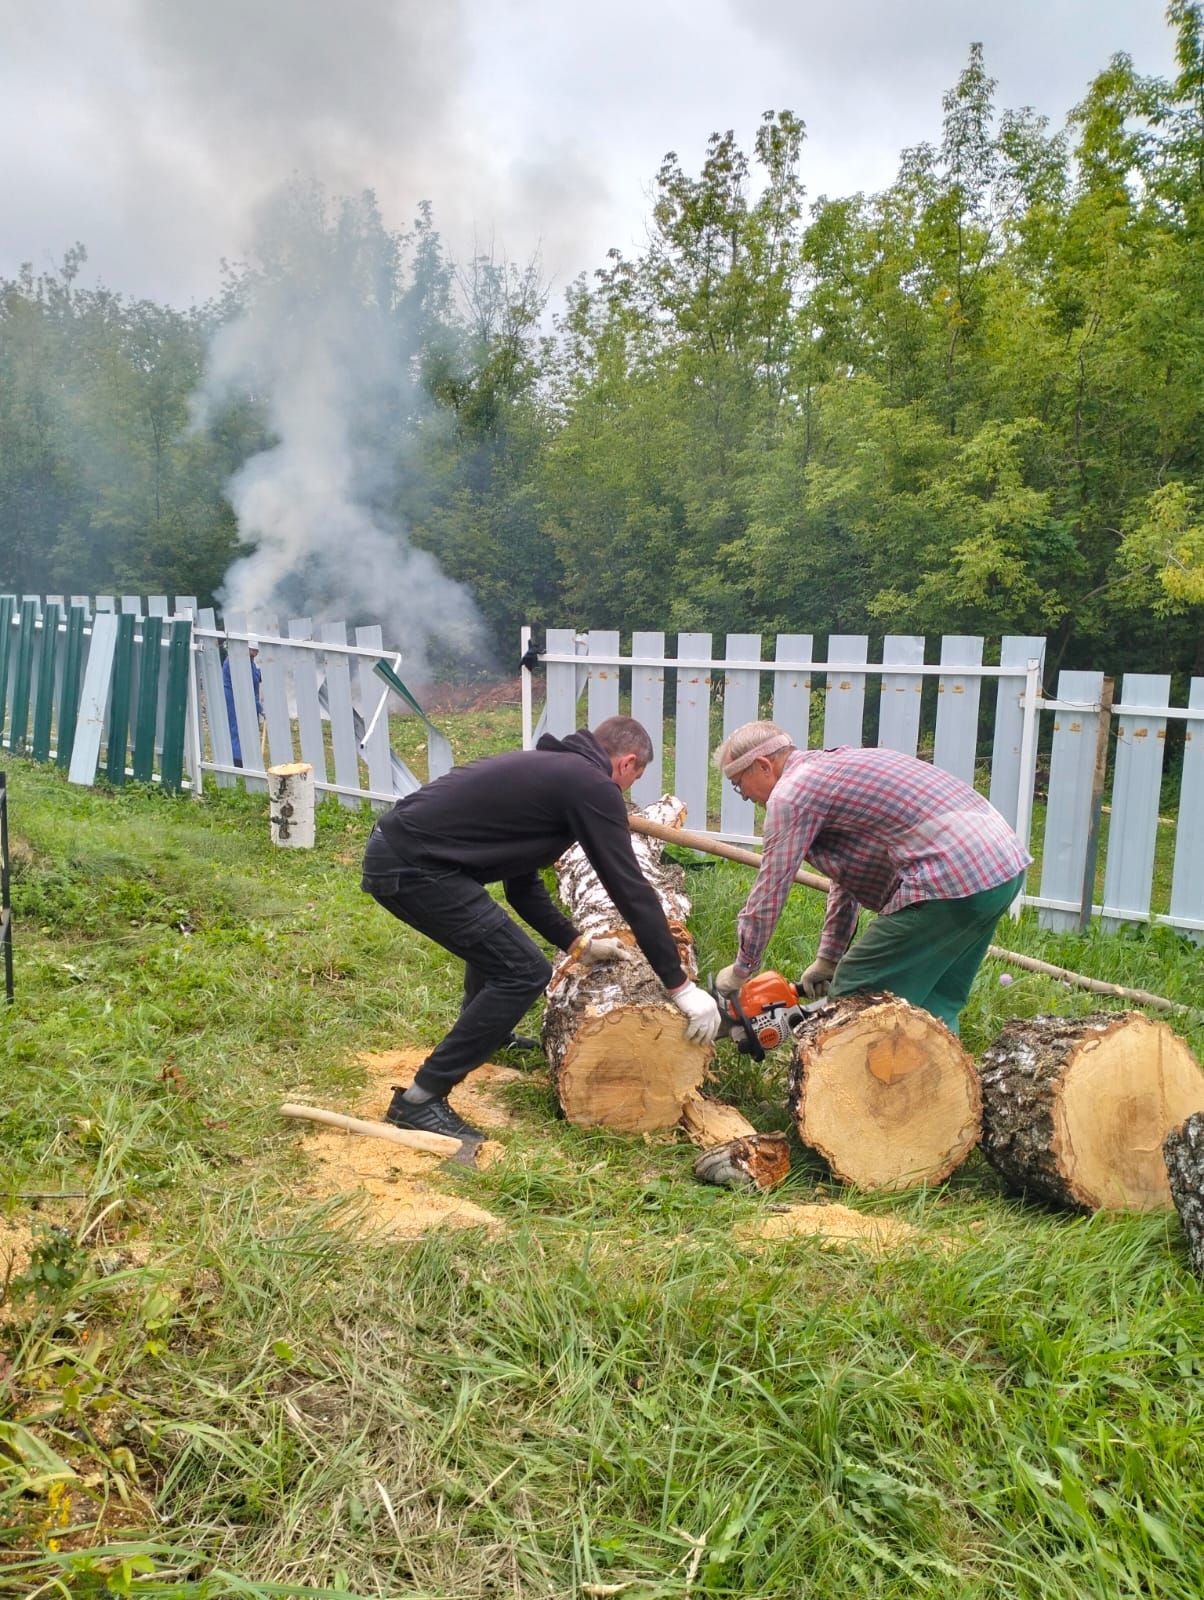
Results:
969 403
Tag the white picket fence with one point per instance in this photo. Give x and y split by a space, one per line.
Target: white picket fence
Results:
824 702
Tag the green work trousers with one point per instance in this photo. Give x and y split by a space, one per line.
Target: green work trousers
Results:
927 953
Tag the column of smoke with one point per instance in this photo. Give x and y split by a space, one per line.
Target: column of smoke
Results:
319 344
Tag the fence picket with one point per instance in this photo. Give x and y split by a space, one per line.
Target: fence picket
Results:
692 750
305 690
23 676
7 645
792 690
342 713
93 699
1187 880
956 741
147 714
899 711
844 709
43 713
1014 651
603 685
215 712
741 704
377 755
1067 815
73 660
560 706
273 691
1136 789
648 707
176 705
118 727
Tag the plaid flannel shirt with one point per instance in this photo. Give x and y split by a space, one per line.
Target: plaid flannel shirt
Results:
888 830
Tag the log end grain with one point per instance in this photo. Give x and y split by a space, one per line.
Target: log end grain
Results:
885 1093
630 1069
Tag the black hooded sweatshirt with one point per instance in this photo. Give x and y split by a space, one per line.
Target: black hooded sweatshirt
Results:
505 817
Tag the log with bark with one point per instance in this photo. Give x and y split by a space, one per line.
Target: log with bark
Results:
1076 1109
615 1042
884 1092
1183 1151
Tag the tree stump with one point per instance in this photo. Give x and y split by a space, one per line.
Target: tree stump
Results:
1183 1151
884 1093
1076 1109
291 805
615 1042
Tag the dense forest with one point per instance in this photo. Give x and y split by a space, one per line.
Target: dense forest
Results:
970 403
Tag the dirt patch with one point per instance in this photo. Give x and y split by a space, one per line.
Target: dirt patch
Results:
405 1192
445 698
836 1225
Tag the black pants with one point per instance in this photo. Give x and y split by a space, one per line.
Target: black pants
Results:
505 971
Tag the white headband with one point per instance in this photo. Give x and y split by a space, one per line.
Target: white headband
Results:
767 747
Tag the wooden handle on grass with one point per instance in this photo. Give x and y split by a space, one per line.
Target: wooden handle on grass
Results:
438 1144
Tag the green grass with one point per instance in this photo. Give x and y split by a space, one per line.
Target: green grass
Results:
213 1388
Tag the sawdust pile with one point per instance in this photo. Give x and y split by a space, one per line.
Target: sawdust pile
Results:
836 1225
405 1192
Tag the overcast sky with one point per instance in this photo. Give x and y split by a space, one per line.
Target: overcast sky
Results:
149 129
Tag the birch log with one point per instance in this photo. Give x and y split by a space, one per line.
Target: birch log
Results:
1076 1109
1183 1151
884 1093
615 1042
291 805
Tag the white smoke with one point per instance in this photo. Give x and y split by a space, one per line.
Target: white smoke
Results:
320 344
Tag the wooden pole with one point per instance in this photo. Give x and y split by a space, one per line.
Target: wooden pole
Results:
812 880
438 1144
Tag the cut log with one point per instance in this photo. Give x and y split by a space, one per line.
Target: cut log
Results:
291 805
708 1122
758 1161
1183 1151
616 1044
1076 1109
884 1093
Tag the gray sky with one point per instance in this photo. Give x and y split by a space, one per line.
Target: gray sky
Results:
150 129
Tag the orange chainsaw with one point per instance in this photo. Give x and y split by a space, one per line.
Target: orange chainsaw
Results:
765 1012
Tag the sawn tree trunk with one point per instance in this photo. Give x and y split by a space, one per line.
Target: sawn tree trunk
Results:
1076 1108
615 1042
884 1093
1183 1150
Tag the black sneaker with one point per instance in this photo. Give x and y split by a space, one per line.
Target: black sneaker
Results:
432 1116
520 1042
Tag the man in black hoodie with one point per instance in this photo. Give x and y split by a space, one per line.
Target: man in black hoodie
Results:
502 819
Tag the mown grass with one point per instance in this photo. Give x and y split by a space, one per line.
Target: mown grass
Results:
215 1388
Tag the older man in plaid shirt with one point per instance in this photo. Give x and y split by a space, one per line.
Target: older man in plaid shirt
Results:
921 848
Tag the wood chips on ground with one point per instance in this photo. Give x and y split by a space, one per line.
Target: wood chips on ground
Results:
837 1225
405 1193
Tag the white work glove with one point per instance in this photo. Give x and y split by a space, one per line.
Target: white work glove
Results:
731 978
597 950
700 1010
814 982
